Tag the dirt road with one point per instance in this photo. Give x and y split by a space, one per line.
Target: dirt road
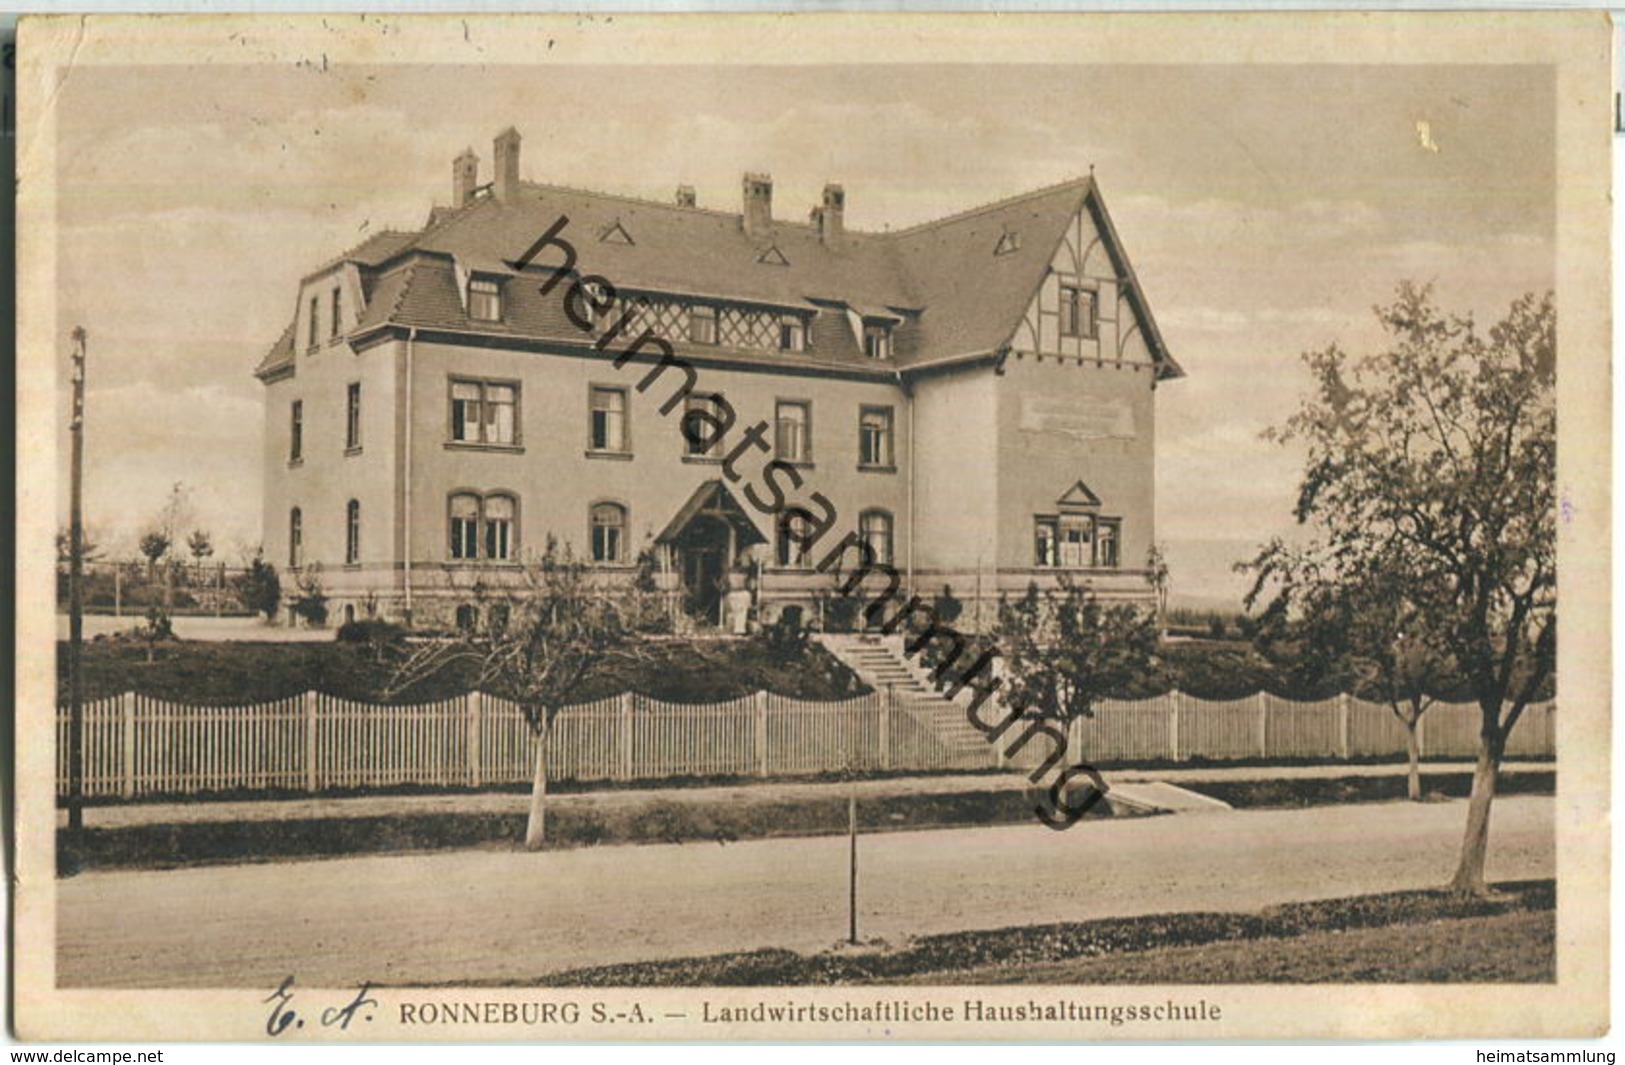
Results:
481 915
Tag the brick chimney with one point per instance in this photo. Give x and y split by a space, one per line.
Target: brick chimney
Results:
685 196
758 216
505 183
830 216
465 177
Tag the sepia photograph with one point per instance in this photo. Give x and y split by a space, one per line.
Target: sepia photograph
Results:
818 527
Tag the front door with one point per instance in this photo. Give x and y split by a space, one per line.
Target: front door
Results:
703 551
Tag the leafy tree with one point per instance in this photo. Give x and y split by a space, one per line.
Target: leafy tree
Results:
1065 650
561 629
1351 625
90 549
201 546
155 629
1158 577
155 544
1431 468
260 588
649 602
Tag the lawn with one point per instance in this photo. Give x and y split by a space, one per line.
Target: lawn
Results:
684 671
1504 948
1399 937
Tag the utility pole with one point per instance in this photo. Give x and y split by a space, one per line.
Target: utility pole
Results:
76 605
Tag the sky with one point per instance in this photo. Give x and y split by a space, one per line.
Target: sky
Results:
1266 210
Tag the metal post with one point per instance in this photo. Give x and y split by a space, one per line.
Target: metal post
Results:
76 606
852 865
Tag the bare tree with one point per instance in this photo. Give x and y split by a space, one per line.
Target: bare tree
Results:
541 640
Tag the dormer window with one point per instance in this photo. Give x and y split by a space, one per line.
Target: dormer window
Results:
792 333
314 327
333 319
593 302
484 300
702 324
877 340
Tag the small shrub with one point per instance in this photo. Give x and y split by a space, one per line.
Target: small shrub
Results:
841 612
260 589
370 631
787 635
311 603
313 608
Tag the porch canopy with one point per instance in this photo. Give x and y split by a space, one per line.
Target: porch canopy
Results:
712 499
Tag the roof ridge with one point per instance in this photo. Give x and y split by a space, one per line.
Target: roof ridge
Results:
1082 183
642 201
349 253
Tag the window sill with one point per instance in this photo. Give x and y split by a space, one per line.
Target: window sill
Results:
352 565
876 469
616 456
800 465
352 451
480 563
475 445
703 460
1041 568
295 462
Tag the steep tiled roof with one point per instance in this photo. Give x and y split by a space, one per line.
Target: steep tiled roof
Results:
675 249
378 248
951 295
973 298
281 354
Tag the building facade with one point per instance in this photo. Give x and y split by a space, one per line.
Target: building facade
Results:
722 395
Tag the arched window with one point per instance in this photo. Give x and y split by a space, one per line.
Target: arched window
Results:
499 515
608 532
296 538
793 528
352 533
465 525
483 526
874 526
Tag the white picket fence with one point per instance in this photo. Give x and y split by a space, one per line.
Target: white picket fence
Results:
137 745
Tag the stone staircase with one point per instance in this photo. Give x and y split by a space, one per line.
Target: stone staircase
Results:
881 663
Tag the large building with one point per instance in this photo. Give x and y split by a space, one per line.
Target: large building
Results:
710 390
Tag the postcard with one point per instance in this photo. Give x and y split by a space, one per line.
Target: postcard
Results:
817 527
